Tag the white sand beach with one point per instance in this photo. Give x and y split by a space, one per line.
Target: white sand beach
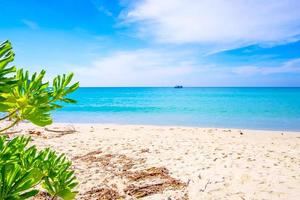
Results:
168 163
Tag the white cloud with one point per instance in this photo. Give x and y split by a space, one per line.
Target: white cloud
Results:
225 23
31 24
137 68
153 67
291 66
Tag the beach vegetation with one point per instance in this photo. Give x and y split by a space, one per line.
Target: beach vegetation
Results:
29 97
24 169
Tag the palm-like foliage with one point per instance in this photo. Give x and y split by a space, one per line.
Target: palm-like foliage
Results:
6 56
26 97
59 180
32 100
22 169
17 183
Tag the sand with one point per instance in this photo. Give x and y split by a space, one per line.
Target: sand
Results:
159 162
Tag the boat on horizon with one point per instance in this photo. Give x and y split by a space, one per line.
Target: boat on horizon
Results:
178 86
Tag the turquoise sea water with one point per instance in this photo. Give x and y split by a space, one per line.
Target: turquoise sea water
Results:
255 108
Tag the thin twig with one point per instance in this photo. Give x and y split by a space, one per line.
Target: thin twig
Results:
208 182
7 116
10 126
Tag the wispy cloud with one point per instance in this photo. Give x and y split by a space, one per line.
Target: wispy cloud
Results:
100 7
178 38
149 67
291 66
222 23
31 24
137 68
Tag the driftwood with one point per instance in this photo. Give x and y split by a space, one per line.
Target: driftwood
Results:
61 132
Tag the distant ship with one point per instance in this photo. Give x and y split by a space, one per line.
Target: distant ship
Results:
178 86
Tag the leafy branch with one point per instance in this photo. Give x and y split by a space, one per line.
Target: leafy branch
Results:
22 169
23 96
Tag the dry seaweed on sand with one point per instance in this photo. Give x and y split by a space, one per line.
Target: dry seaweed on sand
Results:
89 156
34 132
139 191
104 193
111 162
43 196
165 181
153 172
139 183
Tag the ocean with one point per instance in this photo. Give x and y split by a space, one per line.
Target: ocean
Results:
247 108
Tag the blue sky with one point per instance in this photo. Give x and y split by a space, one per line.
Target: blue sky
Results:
158 43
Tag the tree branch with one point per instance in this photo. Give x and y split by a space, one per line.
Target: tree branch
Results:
14 123
9 115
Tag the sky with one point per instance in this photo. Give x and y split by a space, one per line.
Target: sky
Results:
158 43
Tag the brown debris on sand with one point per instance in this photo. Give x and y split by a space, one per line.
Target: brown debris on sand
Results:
145 150
90 157
34 132
154 180
116 163
43 196
144 190
137 183
153 172
139 191
102 194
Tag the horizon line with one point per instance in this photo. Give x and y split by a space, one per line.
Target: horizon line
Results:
190 87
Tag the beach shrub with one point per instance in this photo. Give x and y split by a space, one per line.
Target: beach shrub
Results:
25 97
6 56
24 170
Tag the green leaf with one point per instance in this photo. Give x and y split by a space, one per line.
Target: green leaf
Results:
22 169
31 193
25 96
67 100
67 194
74 87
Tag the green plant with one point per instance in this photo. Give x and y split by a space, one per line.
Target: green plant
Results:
31 99
23 169
25 97
59 179
17 183
6 56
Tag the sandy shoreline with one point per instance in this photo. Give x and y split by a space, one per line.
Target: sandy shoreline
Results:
162 162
